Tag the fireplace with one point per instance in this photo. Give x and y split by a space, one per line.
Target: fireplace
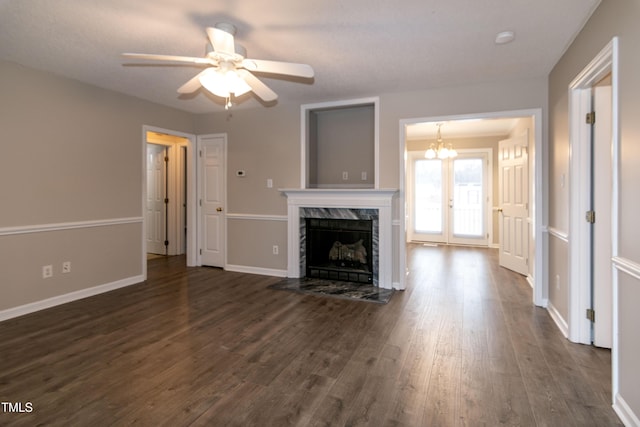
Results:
339 249
342 204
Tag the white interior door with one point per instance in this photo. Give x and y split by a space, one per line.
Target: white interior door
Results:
513 175
156 212
602 239
212 198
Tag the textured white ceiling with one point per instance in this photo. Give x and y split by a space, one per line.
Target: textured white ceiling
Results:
464 128
357 47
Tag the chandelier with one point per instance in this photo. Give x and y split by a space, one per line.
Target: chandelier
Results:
441 151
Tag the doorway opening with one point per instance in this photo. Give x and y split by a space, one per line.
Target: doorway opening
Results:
166 202
167 198
479 133
593 204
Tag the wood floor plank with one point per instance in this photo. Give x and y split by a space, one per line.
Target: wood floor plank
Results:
461 346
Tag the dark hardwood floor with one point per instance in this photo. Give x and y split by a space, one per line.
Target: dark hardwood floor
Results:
462 346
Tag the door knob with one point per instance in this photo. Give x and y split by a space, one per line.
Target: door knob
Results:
499 210
219 209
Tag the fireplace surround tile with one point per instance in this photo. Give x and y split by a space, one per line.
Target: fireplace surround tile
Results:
339 213
345 202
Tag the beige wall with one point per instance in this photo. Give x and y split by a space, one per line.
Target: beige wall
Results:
71 154
75 155
344 143
266 144
612 18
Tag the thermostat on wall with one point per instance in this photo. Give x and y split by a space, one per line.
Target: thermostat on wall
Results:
241 173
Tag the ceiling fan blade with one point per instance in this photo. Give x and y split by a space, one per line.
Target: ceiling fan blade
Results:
171 58
221 40
192 85
277 67
262 90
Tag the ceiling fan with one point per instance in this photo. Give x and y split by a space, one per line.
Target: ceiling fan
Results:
228 71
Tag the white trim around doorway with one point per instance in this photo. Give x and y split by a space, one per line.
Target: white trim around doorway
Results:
191 194
579 234
539 183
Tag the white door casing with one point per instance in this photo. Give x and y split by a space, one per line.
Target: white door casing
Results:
540 189
212 199
513 175
602 247
155 204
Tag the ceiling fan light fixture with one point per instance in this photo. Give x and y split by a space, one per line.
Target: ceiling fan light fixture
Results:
223 83
227 72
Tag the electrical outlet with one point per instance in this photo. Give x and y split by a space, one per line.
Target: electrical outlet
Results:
345 176
66 267
269 183
47 271
363 176
276 250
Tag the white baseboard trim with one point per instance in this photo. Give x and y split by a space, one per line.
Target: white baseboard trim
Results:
628 418
256 270
558 319
65 298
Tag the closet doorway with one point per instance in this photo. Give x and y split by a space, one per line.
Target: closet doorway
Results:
166 194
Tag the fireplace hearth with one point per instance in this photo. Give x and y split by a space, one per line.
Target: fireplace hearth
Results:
340 249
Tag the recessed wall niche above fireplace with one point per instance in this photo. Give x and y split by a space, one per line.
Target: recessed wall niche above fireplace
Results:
340 144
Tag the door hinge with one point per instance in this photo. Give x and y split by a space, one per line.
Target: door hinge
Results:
590 216
591 118
200 202
166 201
166 243
200 251
166 159
200 153
591 314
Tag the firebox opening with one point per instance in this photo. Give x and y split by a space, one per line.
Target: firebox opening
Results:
339 249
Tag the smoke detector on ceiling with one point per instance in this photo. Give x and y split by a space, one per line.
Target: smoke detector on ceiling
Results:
505 37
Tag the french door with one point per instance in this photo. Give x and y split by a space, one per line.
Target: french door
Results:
449 198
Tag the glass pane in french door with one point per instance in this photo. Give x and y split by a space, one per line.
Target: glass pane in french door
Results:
468 197
428 197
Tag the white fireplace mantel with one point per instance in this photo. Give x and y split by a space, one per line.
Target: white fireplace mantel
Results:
349 198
